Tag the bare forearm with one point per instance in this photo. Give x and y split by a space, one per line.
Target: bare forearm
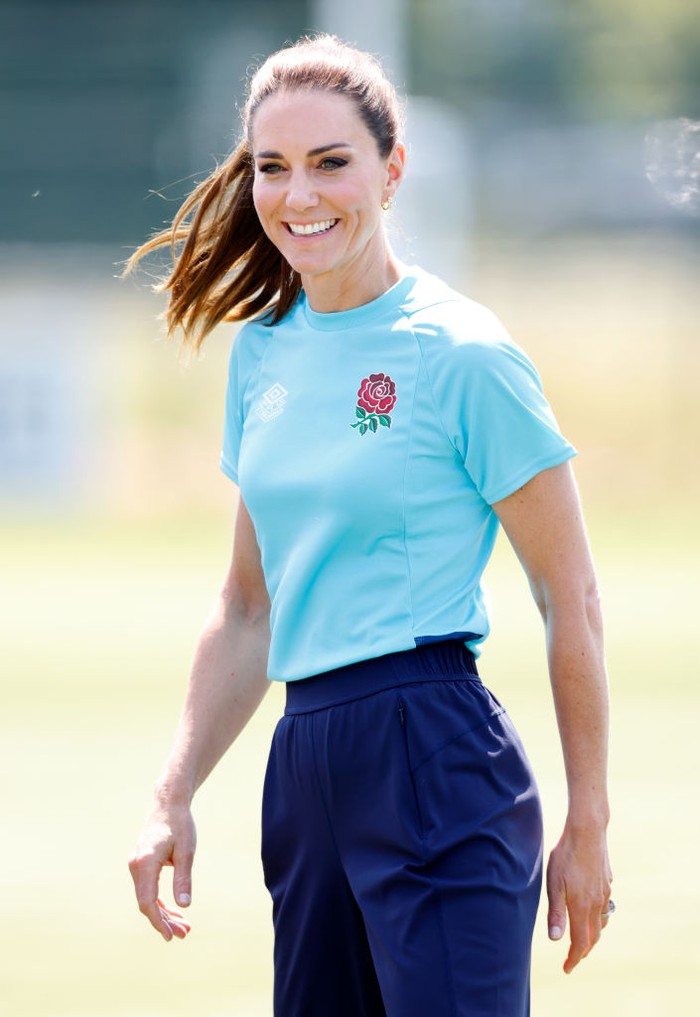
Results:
545 524
579 685
227 683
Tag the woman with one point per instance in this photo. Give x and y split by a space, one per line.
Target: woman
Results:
379 426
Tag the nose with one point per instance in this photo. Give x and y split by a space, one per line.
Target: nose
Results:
300 193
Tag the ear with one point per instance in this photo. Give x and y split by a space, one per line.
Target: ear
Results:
395 167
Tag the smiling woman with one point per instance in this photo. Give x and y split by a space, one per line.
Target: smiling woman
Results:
321 206
226 268
379 426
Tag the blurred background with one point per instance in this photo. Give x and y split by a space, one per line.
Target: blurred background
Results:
554 174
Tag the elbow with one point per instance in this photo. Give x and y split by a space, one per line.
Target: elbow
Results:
592 605
541 595
579 599
249 605
254 612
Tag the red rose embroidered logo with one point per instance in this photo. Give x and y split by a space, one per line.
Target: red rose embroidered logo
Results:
376 398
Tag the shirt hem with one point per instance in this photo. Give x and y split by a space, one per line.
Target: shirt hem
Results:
229 471
527 474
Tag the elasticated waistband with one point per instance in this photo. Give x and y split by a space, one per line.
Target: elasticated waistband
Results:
444 661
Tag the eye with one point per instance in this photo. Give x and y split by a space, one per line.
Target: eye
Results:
333 163
270 168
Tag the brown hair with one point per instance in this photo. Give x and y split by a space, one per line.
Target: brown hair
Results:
224 266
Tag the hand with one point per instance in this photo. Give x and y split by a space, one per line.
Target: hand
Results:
578 881
168 838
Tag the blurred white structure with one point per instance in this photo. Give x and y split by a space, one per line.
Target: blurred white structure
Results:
549 179
432 218
378 27
434 207
54 365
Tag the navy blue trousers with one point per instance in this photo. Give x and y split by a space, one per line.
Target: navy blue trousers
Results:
402 844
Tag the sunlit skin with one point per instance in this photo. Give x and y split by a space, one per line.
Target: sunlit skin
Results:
316 162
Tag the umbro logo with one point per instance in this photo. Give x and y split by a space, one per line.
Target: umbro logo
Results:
272 402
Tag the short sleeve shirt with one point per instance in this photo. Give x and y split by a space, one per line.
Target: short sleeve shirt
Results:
369 446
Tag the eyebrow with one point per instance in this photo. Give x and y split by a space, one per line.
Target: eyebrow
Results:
311 153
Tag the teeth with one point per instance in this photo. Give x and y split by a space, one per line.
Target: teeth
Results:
312 227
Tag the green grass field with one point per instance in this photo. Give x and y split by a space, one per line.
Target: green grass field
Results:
101 611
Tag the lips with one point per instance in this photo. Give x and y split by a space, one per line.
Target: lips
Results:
309 229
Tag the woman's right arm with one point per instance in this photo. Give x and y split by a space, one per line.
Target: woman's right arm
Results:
227 683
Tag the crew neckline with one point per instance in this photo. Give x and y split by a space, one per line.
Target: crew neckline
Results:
333 321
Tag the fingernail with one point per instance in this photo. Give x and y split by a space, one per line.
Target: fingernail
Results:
555 932
184 899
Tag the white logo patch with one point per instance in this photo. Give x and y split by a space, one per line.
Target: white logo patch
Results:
272 402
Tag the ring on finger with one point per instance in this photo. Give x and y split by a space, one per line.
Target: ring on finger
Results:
611 909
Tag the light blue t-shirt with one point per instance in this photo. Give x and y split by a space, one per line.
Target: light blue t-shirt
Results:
369 446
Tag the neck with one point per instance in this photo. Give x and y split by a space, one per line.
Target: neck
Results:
352 285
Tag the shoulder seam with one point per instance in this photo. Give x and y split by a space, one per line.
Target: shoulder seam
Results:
456 299
254 375
433 399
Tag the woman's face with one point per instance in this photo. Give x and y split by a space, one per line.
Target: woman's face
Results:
319 184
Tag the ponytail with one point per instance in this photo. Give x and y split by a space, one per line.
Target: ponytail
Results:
224 266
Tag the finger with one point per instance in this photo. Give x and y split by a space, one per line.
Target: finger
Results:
578 949
154 913
168 923
608 908
174 921
182 876
145 873
586 926
556 913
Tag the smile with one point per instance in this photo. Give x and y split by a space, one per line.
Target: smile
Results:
310 228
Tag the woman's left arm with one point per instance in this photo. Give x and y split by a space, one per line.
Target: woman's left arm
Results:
544 523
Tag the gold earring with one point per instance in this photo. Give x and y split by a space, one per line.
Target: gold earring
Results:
386 204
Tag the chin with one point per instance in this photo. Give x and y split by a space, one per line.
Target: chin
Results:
309 266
